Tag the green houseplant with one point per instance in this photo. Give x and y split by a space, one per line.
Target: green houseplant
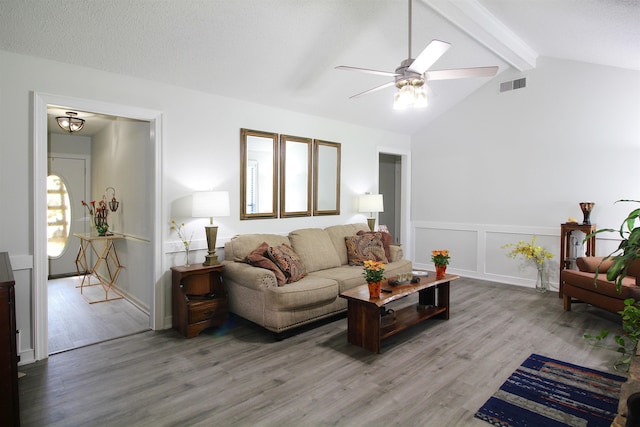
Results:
629 248
628 251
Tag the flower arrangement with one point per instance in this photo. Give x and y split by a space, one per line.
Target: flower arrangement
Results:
98 215
181 234
373 271
440 257
530 251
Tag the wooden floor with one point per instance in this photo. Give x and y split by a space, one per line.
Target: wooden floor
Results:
73 322
436 374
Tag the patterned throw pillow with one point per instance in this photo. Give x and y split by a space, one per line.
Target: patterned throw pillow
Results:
288 261
387 239
258 258
364 247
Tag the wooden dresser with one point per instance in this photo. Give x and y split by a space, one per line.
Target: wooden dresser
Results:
199 298
9 409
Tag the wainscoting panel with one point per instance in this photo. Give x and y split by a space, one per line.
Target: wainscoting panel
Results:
476 250
461 243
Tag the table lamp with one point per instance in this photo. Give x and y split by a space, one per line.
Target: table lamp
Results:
371 203
209 204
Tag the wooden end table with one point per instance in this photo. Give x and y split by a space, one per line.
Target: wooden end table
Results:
365 327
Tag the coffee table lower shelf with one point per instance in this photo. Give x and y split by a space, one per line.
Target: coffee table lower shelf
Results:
409 316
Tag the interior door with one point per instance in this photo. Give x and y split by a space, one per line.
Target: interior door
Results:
73 175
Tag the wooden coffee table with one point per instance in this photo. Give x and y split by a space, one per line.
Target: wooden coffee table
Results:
366 327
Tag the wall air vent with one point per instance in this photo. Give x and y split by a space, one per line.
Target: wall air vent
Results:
513 84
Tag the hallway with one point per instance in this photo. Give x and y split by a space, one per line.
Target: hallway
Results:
73 322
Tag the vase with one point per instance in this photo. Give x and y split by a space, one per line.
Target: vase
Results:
441 271
374 289
586 208
102 229
541 286
186 256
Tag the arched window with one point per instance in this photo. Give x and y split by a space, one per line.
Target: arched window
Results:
58 216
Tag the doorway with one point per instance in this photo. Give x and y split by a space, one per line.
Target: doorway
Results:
153 268
80 316
390 184
394 183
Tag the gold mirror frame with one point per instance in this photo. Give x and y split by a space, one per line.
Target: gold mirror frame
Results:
326 177
295 176
264 165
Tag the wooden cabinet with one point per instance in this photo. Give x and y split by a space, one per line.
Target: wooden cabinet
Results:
9 409
565 245
199 298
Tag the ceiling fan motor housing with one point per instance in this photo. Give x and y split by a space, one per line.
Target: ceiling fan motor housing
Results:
406 76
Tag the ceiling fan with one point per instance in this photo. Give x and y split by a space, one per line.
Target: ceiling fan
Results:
412 74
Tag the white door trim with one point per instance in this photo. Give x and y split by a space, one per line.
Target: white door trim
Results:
405 194
40 103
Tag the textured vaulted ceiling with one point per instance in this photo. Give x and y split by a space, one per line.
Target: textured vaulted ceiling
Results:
283 52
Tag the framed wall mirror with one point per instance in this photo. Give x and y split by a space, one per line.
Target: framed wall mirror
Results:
258 174
326 178
295 176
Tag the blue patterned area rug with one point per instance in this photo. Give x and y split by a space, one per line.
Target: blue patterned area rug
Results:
548 392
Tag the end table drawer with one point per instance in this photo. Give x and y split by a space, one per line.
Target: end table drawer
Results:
205 310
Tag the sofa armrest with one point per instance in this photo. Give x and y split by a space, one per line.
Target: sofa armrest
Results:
249 276
396 253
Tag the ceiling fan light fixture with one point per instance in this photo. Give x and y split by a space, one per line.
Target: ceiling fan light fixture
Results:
410 93
70 122
398 104
420 99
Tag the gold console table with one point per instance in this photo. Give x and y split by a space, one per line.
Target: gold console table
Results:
107 255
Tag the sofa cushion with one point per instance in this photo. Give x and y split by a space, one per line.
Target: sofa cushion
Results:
585 280
589 264
305 293
365 247
315 249
387 239
337 233
239 247
258 258
288 261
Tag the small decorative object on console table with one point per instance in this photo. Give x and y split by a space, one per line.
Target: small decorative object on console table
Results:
99 213
374 274
199 298
535 253
586 208
441 259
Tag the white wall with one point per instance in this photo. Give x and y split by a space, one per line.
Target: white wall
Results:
498 168
200 151
122 159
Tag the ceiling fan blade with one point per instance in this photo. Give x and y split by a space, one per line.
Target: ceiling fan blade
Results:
375 89
461 73
367 70
434 50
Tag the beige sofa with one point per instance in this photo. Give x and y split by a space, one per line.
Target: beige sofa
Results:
254 292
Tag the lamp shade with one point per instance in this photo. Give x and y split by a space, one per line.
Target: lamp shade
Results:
209 204
370 203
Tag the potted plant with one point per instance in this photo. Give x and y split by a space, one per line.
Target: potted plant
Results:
627 252
374 274
440 259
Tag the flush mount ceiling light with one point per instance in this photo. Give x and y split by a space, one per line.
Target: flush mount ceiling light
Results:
70 122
